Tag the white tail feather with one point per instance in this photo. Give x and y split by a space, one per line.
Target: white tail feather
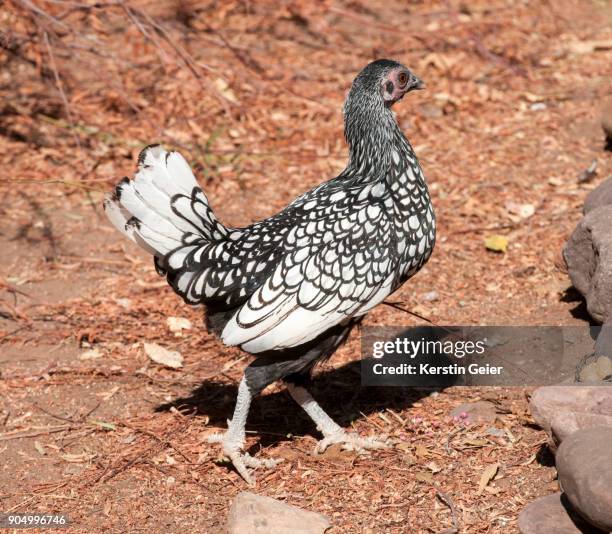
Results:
147 208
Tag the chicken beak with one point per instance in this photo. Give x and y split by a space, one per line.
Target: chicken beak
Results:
418 84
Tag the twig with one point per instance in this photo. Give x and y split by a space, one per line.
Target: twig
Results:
487 228
445 499
396 306
50 430
151 37
29 5
447 445
55 416
163 441
9 334
188 60
60 88
103 261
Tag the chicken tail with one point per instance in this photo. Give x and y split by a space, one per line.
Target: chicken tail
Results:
165 212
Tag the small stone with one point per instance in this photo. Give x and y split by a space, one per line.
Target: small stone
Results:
176 325
538 106
256 514
475 412
430 296
497 432
547 402
126 304
92 354
588 255
584 466
552 514
566 423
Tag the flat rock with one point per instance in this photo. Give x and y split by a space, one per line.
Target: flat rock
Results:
588 255
552 514
566 423
256 514
547 402
584 466
600 196
478 412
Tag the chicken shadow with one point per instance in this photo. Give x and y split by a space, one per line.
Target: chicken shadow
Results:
572 295
275 417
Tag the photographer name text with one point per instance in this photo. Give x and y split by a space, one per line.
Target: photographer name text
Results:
429 369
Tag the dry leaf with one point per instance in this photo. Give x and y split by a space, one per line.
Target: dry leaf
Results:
223 88
424 476
104 425
178 324
404 446
108 394
433 467
487 475
587 47
421 451
169 358
497 243
38 446
77 458
470 442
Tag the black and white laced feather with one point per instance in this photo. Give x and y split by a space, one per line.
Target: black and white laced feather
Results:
331 255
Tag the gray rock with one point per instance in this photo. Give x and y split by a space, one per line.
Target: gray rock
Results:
603 345
256 514
552 514
600 196
588 255
546 402
594 369
566 423
584 466
478 412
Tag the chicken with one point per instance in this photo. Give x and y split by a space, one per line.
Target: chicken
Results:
289 289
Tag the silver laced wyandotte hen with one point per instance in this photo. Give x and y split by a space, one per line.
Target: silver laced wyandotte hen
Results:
290 288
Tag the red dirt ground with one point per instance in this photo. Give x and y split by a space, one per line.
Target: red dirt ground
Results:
251 93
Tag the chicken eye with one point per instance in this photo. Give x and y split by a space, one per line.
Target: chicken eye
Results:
402 78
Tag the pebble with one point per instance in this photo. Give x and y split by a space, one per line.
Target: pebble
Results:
430 296
92 354
584 466
538 106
